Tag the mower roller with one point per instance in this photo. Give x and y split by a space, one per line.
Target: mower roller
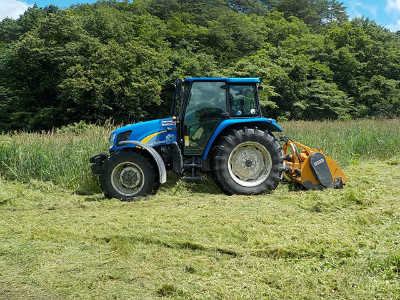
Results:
311 168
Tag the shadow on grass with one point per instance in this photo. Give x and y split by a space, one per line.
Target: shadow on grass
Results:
95 199
5 201
121 243
89 188
292 186
175 185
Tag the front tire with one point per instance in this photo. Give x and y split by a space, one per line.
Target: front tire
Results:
247 162
128 175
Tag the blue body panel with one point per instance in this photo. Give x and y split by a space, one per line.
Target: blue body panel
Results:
164 132
226 123
229 80
152 133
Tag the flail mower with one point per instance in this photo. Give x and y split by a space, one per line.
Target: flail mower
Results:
311 168
216 127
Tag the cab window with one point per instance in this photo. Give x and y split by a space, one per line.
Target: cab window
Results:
243 100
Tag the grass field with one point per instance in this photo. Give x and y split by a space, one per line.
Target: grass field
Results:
192 242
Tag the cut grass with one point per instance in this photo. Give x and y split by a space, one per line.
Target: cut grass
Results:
192 242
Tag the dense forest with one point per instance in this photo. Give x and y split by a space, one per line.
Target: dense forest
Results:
118 60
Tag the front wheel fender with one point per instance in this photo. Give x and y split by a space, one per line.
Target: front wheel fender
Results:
162 171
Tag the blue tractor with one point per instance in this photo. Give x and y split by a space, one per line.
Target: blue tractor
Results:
216 128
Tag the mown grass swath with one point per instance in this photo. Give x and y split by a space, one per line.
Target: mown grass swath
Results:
62 156
192 242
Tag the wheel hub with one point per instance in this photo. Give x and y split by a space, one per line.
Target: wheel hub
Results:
127 178
248 163
130 177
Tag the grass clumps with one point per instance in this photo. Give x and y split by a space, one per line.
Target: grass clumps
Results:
168 290
358 197
388 265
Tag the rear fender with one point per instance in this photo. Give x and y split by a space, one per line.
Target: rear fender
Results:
162 172
269 124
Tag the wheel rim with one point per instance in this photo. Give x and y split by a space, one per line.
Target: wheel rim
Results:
127 179
249 164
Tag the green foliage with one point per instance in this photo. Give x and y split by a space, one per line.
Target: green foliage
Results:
116 60
313 12
380 97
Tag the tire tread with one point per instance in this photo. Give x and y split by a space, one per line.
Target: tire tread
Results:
142 161
228 142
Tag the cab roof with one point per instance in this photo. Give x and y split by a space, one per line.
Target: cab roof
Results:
228 80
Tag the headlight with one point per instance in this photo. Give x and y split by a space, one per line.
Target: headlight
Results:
115 138
123 136
112 138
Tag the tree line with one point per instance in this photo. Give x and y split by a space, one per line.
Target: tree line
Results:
117 60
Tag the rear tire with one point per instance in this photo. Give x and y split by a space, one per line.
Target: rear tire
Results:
128 175
247 161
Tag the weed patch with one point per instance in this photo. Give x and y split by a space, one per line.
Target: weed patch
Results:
388 266
168 290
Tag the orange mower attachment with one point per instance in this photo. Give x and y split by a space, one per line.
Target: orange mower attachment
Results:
310 167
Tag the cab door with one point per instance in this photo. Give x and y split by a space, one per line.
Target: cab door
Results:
206 108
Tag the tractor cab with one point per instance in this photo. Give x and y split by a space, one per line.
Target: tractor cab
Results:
215 127
201 104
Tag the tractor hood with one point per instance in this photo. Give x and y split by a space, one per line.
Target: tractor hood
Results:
153 133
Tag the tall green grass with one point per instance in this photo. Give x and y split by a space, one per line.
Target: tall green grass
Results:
62 156
348 141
